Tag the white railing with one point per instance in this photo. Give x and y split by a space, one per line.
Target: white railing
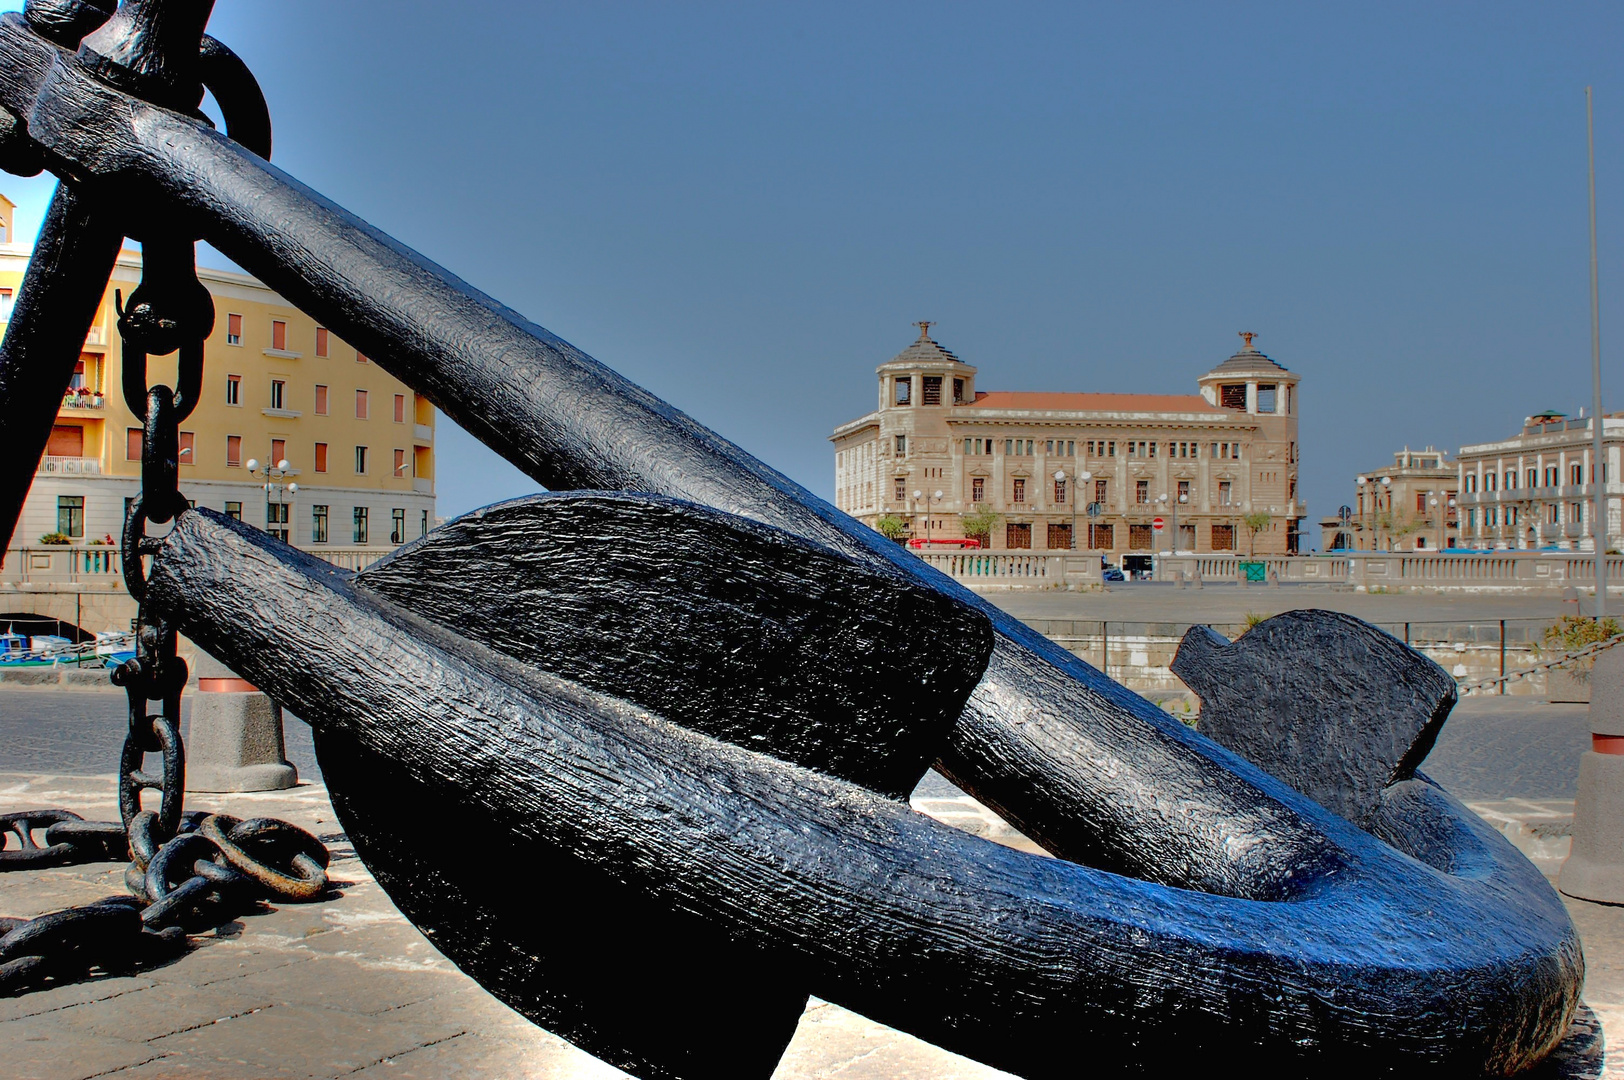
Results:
68 564
1027 569
69 466
1511 570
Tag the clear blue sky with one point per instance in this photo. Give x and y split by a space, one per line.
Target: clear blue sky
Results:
743 207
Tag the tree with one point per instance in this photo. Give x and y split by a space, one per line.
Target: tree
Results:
1256 521
979 522
891 527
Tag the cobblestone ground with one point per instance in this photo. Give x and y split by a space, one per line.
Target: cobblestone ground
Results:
346 987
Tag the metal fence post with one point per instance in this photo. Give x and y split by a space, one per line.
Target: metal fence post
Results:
1502 689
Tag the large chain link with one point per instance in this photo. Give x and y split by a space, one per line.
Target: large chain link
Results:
189 871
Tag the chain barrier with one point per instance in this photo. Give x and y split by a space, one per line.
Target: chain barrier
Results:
188 871
1567 659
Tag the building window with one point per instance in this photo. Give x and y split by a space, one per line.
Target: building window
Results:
1141 491
1102 537
234 511
321 400
901 445
1488 516
397 525
1139 537
5 303
904 391
1017 537
233 450
321 341
901 491
400 408
1421 502
1059 537
321 457
67 440
1511 515
1223 538
1224 492
400 462
188 448
318 524
233 389
1471 518
1184 491
279 394
132 444
70 515
1233 396
360 461
978 489
958 391
276 520
931 389
1533 478
279 335
360 404
360 533
1059 491
233 329
1020 489
425 524
1576 473
1099 491
279 452
1265 397
1576 513
1551 476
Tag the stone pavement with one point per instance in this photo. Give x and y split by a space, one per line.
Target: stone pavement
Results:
342 987
346 987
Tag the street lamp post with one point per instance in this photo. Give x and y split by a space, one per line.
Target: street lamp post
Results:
1432 512
273 486
1387 486
929 500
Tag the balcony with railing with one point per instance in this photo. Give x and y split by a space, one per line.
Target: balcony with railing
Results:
68 466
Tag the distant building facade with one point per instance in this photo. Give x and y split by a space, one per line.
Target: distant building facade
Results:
1411 505
1536 489
1077 471
276 386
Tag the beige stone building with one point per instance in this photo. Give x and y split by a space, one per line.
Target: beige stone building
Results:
1410 505
1536 490
1046 470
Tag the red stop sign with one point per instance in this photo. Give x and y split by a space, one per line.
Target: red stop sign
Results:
1156 523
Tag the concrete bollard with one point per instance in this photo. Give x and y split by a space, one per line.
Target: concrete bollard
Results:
1594 869
1195 578
1178 579
234 742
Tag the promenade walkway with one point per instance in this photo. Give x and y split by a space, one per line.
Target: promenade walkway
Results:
347 987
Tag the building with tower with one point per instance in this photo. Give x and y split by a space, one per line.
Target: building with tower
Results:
1077 471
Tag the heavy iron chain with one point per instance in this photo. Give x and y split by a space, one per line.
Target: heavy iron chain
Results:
189 871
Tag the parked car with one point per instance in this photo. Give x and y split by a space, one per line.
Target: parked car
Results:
1111 573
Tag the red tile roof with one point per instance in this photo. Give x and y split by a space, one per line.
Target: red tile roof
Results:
1057 402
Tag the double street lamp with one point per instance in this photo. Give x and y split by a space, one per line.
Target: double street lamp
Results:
1173 543
929 499
1081 478
274 474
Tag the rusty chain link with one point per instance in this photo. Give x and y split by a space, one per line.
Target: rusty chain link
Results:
189 871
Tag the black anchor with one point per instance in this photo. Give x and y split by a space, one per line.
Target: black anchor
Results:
1204 908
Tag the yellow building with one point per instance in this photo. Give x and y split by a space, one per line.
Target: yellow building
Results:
276 387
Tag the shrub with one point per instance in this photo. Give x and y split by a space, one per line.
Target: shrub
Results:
56 538
1573 632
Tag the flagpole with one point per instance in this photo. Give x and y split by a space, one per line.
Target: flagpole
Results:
1598 471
